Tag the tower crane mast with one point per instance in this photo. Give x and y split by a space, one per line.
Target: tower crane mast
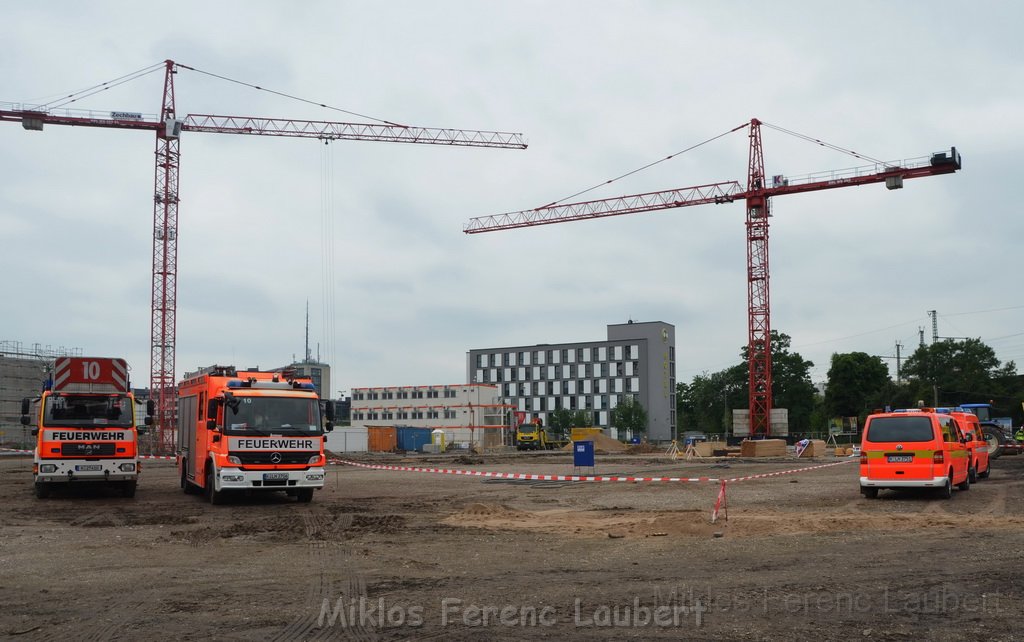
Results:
757 196
168 129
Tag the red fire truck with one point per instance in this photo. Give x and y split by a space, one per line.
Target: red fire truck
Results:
250 431
86 426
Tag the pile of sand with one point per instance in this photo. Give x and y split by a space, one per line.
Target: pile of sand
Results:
602 444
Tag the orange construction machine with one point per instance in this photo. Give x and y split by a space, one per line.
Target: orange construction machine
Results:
86 426
250 431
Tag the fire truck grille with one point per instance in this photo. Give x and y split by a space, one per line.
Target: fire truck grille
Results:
79 449
264 457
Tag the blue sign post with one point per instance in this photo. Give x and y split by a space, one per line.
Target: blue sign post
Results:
583 455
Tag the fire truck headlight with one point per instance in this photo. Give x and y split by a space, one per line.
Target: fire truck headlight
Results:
47 468
128 468
234 460
316 477
315 459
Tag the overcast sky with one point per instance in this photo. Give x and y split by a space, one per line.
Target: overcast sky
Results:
373 231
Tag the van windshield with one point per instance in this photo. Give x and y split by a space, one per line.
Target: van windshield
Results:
900 429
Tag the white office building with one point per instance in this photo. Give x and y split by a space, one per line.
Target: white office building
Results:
637 360
469 414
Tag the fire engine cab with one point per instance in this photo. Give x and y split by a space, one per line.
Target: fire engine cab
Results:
250 431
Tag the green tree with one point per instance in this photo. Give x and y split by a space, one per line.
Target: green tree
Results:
791 382
630 415
957 371
560 422
855 380
582 419
706 403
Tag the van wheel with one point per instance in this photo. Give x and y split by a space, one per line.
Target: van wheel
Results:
869 493
305 495
972 473
988 469
947 491
42 490
215 496
966 483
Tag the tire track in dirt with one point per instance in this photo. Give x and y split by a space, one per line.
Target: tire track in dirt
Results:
333 584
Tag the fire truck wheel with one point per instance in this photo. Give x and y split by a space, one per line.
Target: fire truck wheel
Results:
972 473
215 496
868 492
128 488
188 487
966 483
305 495
42 490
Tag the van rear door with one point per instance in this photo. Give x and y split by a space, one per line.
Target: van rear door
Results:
900 447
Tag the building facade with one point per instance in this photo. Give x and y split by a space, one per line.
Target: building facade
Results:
23 369
636 360
319 373
469 414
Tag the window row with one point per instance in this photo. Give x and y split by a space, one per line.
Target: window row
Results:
556 356
373 415
431 393
574 403
541 373
571 387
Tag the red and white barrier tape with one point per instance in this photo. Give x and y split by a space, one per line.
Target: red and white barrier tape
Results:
30 452
524 476
718 504
788 472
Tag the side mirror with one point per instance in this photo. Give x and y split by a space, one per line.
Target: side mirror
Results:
329 409
329 427
24 420
35 432
142 430
148 421
26 405
211 411
150 408
211 424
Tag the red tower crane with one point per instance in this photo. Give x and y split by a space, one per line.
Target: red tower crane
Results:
168 128
756 195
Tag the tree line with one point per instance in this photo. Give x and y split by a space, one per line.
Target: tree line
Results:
944 373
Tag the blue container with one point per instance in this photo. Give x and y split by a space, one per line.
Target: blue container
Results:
412 439
583 454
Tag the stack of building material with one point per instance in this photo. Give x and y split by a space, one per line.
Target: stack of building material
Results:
763 448
816 448
705 448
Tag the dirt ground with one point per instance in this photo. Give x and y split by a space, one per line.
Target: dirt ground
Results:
389 555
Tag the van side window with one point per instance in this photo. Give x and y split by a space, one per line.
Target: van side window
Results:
947 429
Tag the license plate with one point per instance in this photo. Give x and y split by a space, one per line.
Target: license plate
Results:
274 476
85 467
899 459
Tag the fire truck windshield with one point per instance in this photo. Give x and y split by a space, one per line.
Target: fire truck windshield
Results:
88 410
272 415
